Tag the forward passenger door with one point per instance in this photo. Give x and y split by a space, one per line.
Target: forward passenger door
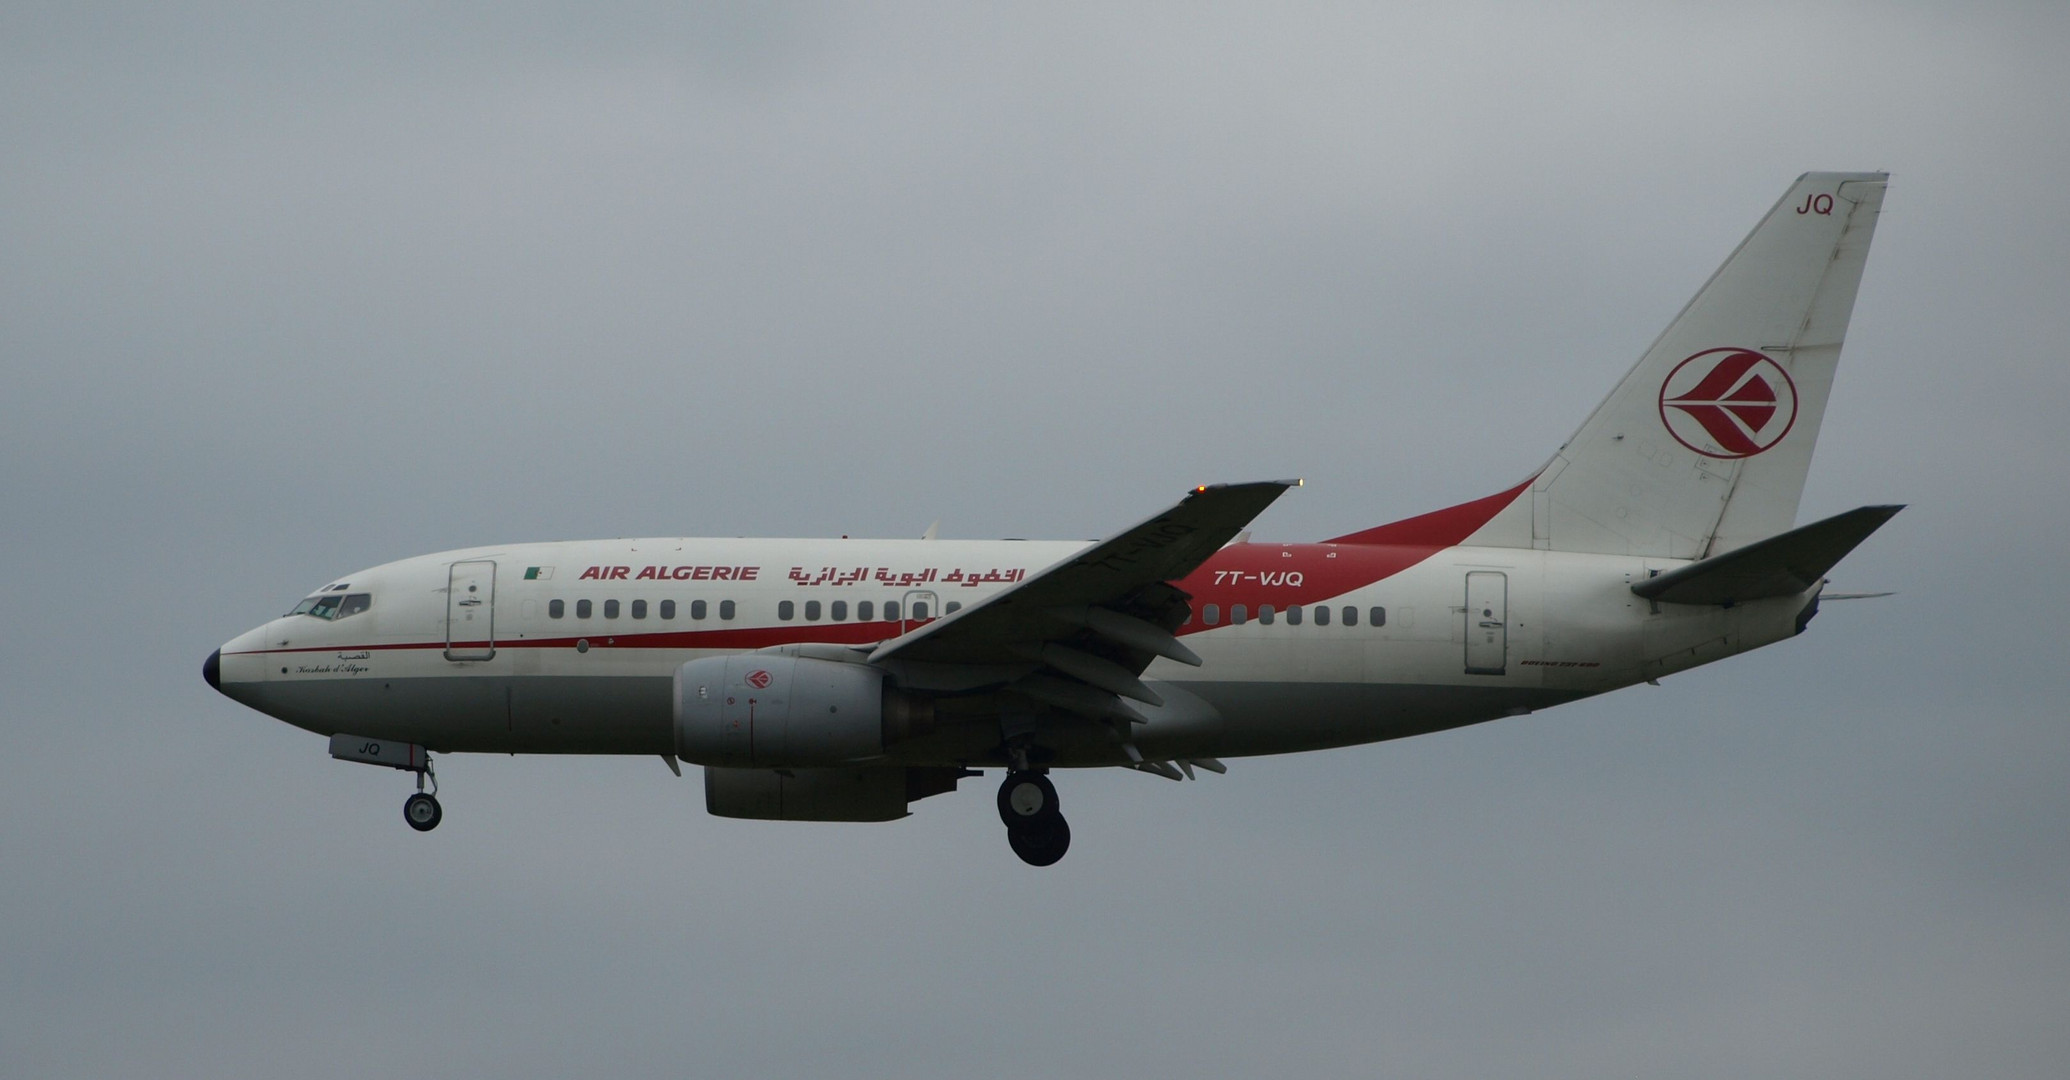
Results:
471 610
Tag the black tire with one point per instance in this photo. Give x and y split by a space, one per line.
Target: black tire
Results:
1026 797
422 812
1041 842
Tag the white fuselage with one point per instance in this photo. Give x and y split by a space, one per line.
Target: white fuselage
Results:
843 680
571 647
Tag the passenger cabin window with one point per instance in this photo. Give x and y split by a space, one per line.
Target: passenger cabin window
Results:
952 607
725 609
890 611
919 610
865 610
582 609
1350 615
668 609
786 611
610 609
1322 614
1239 615
1211 614
1294 615
556 609
697 609
838 611
1265 614
811 611
1379 616
639 609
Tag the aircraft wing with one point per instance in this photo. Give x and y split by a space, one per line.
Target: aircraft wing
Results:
1098 617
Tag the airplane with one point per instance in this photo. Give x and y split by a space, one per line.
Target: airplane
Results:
845 680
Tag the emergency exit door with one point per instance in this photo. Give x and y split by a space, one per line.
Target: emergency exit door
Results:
1487 622
471 610
921 606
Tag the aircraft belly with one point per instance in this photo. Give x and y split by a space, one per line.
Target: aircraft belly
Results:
575 714
486 714
1250 718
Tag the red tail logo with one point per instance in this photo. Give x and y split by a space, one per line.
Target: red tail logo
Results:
1728 403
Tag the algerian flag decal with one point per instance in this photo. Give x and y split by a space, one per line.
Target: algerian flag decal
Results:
538 573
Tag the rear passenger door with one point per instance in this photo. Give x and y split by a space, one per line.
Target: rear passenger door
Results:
1487 622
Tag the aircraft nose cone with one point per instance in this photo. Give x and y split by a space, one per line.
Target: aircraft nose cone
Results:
212 670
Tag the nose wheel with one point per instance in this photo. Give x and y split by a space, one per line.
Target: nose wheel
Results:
1035 827
422 812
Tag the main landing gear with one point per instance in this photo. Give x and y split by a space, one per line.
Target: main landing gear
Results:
1035 828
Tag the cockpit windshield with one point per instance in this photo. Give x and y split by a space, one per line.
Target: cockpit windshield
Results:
333 606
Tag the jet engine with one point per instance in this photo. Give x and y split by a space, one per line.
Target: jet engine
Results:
772 711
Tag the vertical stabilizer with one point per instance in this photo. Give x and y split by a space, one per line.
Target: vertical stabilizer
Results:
1704 446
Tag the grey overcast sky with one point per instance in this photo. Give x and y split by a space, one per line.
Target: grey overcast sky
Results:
288 290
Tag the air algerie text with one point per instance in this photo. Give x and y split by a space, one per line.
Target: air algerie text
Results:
671 573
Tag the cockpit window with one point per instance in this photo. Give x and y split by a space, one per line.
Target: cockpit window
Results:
330 606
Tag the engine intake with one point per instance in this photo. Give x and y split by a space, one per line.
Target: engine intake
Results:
773 711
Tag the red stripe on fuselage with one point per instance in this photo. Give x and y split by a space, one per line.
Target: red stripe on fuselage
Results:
1439 528
734 638
1286 575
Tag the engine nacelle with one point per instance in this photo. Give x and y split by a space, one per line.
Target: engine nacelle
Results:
769 710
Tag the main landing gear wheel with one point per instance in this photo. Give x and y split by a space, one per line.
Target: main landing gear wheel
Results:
1040 842
1035 828
1025 797
423 813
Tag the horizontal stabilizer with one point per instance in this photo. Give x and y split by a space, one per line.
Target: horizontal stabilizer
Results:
1782 565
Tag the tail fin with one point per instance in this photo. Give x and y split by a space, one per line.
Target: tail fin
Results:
1703 448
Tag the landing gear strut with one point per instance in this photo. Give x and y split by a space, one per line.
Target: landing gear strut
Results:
422 810
1035 828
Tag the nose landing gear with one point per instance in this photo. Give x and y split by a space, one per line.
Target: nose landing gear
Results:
1035 828
421 810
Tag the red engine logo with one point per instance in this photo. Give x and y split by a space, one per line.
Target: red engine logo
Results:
1728 403
760 679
